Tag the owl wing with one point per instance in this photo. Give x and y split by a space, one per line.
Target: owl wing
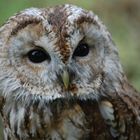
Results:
121 113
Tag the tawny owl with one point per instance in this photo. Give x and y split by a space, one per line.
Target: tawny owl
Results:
61 79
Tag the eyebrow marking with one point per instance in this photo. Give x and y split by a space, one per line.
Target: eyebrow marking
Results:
24 23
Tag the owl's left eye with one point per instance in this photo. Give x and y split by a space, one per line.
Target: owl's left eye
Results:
38 56
81 50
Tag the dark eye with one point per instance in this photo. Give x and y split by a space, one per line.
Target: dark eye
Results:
81 50
38 56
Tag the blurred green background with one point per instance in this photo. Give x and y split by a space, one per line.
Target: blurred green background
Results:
122 17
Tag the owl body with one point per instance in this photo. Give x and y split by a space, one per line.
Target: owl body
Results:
59 120
60 78
65 119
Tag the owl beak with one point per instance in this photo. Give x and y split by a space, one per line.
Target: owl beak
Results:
65 78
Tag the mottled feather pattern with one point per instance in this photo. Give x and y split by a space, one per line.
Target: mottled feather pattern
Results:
65 96
61 119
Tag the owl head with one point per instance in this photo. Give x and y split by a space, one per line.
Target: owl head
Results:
59 52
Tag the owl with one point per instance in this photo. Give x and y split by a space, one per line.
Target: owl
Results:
61 79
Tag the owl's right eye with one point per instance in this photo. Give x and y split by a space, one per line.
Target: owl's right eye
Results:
38 55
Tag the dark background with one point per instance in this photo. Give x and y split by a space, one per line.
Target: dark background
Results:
122 17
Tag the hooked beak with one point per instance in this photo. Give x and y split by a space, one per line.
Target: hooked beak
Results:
65 78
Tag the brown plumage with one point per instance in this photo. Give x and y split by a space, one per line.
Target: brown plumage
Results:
61 79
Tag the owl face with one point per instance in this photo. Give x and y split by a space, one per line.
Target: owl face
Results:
60 52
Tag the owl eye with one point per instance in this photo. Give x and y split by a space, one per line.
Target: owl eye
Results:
81 50
38 56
